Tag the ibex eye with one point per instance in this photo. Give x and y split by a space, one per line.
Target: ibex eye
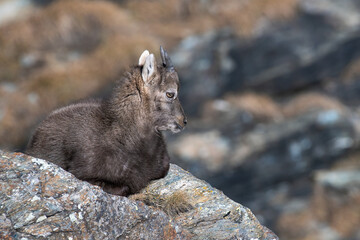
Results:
170 94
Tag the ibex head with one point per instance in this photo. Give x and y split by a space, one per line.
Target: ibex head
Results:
161 84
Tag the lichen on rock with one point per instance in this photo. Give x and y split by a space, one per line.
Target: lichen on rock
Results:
39 200
212 215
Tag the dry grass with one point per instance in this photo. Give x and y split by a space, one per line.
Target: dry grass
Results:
245 15
173 205
154 14
68 23
311 102
106 38
351 161
84 77
265 108
340 210
352 71
297 226
60 29
260 106
183 17
18 113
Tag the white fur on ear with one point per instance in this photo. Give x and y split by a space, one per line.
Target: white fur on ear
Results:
143 57
149 68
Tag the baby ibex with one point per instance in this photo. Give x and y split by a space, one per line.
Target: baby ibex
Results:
117 143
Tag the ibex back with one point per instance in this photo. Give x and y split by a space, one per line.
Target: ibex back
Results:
117 143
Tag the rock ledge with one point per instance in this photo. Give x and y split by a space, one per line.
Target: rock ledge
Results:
39 200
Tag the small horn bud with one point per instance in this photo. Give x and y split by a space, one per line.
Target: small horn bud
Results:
166 59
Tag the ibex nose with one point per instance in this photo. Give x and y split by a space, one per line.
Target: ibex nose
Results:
181 122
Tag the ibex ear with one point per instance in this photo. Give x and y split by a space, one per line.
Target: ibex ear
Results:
149 68
143 57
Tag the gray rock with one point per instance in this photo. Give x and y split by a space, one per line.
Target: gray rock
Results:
213 215
344 12
311 49
342 180
39 200
268 167
299 145
203 62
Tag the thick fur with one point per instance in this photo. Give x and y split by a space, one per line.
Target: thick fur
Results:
115 143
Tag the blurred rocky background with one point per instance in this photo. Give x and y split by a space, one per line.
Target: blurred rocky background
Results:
271 88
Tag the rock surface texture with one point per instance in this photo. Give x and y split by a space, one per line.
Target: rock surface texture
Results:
42 201
213 215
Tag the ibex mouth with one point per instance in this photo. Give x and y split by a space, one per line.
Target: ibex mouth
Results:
179 127
174 128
